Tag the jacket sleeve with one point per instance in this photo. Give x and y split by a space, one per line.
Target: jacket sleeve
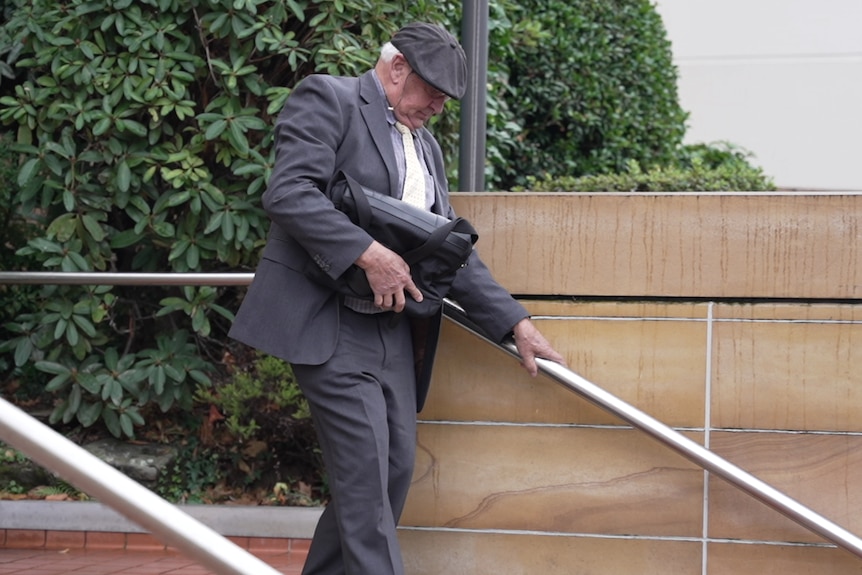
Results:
307 135
485 301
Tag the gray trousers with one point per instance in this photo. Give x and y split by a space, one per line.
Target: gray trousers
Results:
363 403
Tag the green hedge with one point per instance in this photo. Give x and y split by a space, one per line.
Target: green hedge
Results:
702 168
586 86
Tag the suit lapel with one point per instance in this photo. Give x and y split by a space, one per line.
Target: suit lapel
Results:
437 172
373 112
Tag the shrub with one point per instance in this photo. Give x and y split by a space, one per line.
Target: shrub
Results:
14 228
264 430
263 393
144 131
192 476
706 168
8 50
590 86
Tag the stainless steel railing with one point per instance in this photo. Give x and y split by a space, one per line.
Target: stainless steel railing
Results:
193 536
689 449
95 477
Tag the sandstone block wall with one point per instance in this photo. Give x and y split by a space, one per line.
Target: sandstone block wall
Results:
730 317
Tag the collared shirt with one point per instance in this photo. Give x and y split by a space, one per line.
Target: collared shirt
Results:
399 150
365 306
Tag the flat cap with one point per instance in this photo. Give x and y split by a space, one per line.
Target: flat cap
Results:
435 55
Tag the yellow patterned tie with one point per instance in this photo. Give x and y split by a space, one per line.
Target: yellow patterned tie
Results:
414 179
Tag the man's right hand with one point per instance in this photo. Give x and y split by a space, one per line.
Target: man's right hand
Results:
389 277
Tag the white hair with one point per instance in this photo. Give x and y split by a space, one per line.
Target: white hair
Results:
388 51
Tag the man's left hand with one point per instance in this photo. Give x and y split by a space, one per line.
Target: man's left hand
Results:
532 344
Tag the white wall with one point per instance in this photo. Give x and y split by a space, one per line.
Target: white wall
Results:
781 78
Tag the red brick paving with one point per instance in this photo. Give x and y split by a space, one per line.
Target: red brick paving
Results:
34 552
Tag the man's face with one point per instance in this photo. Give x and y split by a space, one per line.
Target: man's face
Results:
418 102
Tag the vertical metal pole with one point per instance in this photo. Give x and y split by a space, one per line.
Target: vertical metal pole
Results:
474 33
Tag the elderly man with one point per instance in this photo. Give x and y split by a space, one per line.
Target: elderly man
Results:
365 376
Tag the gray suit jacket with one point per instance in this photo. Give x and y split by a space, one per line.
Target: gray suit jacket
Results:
330 124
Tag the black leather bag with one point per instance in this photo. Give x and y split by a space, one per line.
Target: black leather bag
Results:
433 246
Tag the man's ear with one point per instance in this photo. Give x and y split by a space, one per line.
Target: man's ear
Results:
399 69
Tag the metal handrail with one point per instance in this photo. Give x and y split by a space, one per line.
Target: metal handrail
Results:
125 279
676 441
111 487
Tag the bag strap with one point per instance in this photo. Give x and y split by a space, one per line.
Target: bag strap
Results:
363 216
339 187
360 200
437 237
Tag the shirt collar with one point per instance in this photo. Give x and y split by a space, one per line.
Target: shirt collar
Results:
390 115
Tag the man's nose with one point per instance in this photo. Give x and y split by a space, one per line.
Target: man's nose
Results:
438 103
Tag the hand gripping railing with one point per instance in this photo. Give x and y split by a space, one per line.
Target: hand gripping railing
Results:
192 538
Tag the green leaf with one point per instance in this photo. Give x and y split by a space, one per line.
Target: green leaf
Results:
112 422
237 138
68 412
71 333
193 255
200 377
74 399
222 311
215 129
58 382
165 402
102 126
125 239
130 379
46 246
134 127
89 382
157 379
27 171
57 413
52 367
200 323
95 230
173 373
174 302
214 223
63 227
164 229
135 416
79 261
124 177
297 10
113 391
68 200
227 228
86 326
89 413
177 198
23 349
179 249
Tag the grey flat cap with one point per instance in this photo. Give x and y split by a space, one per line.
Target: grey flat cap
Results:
435 55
